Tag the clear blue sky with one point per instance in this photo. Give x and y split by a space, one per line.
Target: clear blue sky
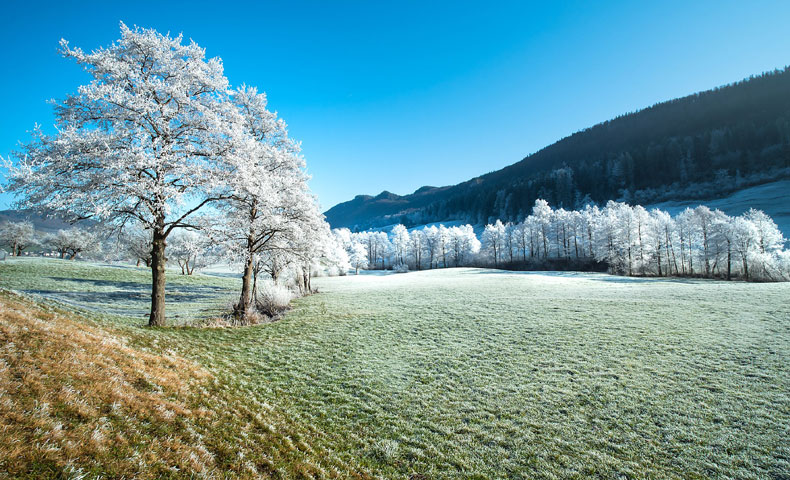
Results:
397 95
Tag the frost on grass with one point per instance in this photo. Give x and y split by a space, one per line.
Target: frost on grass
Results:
470 373
77 401
74 395
480 373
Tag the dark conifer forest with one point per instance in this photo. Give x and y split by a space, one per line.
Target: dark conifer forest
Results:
696 147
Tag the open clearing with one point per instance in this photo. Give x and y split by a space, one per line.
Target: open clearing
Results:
467 373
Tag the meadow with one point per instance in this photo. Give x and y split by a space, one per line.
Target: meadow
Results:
457 373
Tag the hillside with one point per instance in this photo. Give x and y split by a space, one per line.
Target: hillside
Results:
772 198
43 224
702 146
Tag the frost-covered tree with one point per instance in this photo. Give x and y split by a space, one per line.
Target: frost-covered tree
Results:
416 247
383 248
142 142
335 254
443 239
660 227
510 245
542 213
463 244
493 240
270 212
17 235
430 235
191 250
703 221
358 255
400 244
642 244
72 241
766 253
137 243
743 235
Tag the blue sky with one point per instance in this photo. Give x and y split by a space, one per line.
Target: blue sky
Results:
397 95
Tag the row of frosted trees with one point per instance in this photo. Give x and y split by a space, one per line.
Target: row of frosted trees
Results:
628 240
429 247
635 241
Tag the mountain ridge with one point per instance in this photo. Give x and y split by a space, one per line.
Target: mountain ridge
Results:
705 144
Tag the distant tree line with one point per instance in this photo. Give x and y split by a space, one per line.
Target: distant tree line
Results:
623 239
67 243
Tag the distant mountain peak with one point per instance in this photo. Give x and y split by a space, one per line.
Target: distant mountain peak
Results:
385 195
424 189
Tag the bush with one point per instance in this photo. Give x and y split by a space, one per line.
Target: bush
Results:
401 268
273 299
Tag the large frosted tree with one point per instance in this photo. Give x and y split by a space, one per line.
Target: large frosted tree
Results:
142 143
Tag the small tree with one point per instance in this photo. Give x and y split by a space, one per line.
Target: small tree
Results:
191 250
18 236
358 256
400 243
493 240
138 245
71 242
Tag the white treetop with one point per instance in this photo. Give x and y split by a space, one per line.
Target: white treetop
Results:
17 235
140 142
146 141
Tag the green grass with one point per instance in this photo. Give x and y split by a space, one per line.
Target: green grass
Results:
468 373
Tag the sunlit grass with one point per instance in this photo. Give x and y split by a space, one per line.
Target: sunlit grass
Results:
480 374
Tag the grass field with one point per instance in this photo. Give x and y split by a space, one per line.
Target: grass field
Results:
468 373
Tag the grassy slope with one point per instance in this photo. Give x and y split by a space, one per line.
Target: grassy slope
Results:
478 374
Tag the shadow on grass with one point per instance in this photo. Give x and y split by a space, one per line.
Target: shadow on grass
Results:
140 286
598 277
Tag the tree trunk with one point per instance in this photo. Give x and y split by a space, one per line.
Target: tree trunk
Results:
157 318
244 307
306 280
255 271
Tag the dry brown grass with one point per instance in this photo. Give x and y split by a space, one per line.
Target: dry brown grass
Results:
74 398
79 401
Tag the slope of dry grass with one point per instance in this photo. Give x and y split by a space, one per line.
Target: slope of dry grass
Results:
79 401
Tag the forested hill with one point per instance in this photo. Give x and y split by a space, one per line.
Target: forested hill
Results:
696 147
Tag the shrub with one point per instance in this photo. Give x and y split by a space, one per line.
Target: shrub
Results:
401 268
273 299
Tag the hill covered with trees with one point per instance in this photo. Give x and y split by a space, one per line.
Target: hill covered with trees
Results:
696 147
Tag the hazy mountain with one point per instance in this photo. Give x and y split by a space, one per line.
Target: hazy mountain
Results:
43 224
701 146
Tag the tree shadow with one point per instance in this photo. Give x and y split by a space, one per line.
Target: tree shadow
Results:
137 286
593 276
